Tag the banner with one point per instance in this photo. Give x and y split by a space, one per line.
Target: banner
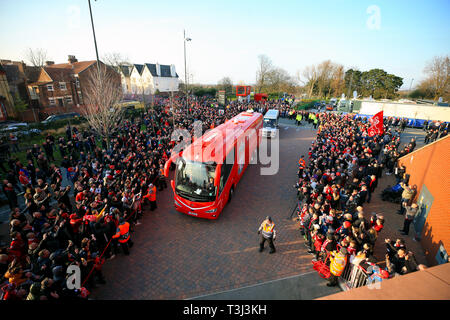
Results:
376 125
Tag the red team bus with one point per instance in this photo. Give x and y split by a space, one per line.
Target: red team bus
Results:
208 170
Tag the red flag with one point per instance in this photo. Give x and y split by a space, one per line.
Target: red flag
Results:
376 124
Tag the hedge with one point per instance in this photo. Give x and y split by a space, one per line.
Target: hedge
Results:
306 104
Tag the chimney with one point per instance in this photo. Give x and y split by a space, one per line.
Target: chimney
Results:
72 59
49 63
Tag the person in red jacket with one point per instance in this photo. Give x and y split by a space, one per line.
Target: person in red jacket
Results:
123 236
318 242
376 222
17 248
151 196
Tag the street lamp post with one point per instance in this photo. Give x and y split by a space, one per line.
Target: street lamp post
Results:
185 72
95 40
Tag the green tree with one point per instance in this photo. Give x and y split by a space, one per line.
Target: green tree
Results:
379 84
19 105
391 85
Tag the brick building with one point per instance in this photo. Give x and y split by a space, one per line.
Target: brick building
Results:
6 100
60 87
429 169
18 76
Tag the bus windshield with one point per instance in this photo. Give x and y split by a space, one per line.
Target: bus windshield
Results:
195 180
269 123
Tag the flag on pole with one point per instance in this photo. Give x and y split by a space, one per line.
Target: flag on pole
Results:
376 125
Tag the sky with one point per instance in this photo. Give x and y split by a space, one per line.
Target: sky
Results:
228 36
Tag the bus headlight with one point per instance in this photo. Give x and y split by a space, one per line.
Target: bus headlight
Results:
211 211
177 203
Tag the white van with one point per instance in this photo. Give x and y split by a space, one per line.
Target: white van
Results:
270 124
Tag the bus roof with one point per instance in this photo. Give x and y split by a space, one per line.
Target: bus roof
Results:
205 148
271 114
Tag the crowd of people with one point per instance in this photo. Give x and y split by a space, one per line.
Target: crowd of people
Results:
345 165
435 130
82 211
90 218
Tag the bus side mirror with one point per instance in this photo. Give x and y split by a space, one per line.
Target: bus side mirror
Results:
169 162
217 179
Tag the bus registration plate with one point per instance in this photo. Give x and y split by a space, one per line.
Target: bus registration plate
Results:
192 213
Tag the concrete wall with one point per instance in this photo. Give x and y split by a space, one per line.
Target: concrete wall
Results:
430 166
417 111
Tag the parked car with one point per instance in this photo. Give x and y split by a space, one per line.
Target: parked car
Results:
329 107
18 128
13 126
56 117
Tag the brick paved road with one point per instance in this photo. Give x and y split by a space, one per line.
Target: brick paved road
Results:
176 256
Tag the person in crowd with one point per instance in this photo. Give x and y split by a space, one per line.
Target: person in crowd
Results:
84 223
342 174
410 213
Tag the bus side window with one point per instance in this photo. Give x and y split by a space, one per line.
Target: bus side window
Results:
224 174
241 155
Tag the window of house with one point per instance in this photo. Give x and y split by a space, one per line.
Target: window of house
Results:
80 97
68 99
52 101
50 87
62 86
77 82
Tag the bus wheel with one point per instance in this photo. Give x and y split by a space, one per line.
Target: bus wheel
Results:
231 194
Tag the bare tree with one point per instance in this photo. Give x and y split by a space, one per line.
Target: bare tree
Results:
337 80
264 68
225 84
311 76
325 72
279 80
102 94
37 57
323 79
438 76
115 59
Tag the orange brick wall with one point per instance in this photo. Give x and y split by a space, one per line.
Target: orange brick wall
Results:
430 165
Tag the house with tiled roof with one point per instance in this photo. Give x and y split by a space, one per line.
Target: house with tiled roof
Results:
147 78
18 75
6 100
125 79
59 87
136 85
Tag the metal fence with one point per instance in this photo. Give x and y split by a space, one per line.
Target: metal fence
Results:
353 277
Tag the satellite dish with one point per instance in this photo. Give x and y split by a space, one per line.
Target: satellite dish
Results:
355 94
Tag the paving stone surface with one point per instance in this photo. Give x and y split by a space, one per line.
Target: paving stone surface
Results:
176 256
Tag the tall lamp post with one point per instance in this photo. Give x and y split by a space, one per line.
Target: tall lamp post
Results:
95 40
185 72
